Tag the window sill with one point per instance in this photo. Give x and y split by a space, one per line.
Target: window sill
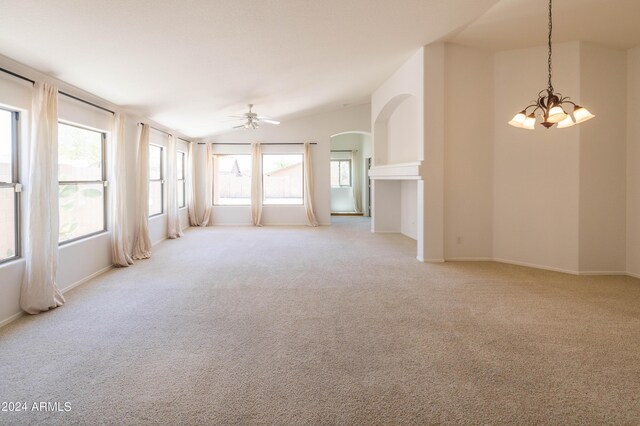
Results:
75 241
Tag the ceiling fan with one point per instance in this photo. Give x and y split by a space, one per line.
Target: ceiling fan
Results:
252 120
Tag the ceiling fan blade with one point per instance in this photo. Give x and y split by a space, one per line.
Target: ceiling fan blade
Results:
236 116
237 127
269 121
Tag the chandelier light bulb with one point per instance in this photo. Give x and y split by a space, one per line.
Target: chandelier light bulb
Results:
567 122
556 114
581 114
530 122
518 120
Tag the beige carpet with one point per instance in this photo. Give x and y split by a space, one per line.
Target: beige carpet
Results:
332 325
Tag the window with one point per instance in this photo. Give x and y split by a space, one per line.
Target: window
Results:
340 173
81 175
282 178
9 186
156 180
232 180
182 183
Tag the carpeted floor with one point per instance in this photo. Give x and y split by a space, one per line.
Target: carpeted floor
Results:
332 325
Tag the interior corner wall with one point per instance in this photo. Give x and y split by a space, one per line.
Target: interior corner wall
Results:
468 156
316 128
603 160
536 173
633 162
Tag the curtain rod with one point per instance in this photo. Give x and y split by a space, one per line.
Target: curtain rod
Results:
21 77
343 150
166 133
263 143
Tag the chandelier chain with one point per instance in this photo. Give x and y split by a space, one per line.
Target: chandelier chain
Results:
550 49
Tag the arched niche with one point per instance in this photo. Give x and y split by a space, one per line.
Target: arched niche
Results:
396 131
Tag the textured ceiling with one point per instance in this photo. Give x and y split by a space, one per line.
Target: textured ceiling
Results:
188 63
514 24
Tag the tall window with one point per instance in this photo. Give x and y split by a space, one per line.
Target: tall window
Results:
81 175
156 180
9 186
232 180
282 178
340 173
182 183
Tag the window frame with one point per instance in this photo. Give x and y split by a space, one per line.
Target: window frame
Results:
213 186
304 192
339 160
105 207
15 184
161 180
182 157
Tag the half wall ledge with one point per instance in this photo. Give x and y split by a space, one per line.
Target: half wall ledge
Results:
399 171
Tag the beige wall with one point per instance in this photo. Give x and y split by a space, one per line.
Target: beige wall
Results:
468 156
633 161
536 173
602 160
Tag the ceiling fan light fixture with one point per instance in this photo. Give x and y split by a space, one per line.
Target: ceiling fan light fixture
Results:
550 103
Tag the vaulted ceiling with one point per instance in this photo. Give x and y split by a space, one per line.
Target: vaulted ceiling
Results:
188 63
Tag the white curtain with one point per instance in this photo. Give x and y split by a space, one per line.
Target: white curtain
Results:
39 291
141 241
191 187
256 184
174 229
308 187
356 181
207 219
120 255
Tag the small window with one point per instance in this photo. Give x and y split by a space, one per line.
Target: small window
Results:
81 175
182 182
340 173
156 180
9 187
282 179
232 180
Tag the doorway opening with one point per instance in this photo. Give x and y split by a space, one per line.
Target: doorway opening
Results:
350 161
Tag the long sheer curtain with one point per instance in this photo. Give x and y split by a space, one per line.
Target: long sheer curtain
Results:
39 291
174 229
308 187
208 188
256 184
356 181
141 241
191 187
120 255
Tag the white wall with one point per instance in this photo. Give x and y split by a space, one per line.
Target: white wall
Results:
468 155
536 173
603 160
317 128
633 161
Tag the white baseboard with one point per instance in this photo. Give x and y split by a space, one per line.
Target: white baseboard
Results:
536 266
159 241
85 279
469 259
11 318
595 273
633 275
430 260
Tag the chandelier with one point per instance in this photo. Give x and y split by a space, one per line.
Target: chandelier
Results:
551 104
